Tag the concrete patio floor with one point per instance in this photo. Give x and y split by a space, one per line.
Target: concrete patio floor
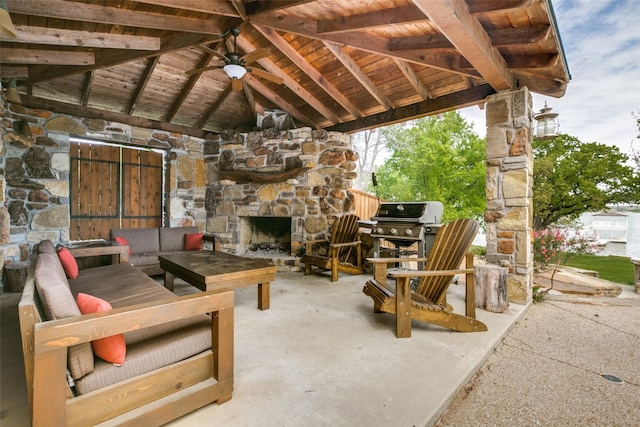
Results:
318 357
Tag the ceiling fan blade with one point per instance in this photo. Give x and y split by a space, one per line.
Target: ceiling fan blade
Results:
236 85
255 55
213 52
265 75
203 69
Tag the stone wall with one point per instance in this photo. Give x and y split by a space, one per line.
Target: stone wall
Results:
34 201
509 189
312 199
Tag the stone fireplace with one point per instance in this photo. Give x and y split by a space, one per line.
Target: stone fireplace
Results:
265 236
269 191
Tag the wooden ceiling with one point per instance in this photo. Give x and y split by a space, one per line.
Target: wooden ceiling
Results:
345 65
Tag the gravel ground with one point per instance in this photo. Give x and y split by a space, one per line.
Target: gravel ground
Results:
547 371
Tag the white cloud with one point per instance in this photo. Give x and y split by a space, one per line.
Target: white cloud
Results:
601 41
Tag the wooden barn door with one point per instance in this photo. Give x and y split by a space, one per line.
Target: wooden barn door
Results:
113 187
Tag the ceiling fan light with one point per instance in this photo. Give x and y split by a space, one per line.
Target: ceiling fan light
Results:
234 71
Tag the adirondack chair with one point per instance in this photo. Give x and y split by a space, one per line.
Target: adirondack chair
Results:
428 302
343 244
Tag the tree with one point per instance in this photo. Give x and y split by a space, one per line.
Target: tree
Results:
571 178
436 158
370 146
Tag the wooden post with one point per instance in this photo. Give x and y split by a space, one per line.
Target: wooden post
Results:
491 288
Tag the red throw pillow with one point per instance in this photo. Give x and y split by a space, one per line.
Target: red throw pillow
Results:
193 241
110 349
122 241
68 262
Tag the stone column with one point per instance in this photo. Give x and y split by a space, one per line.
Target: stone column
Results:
509 189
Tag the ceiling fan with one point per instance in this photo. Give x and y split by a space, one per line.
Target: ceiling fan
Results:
235 64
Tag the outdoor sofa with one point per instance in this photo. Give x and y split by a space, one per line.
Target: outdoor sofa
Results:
179 350
146 244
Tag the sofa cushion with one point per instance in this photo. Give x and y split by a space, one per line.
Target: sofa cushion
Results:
141 240
149 355
59 303
172 238
110 349
193 242
68 262
122 241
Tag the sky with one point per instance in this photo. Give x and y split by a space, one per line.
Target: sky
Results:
601 40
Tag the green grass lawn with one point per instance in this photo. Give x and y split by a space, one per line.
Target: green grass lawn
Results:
615 268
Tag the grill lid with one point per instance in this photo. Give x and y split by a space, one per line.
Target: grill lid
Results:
418 212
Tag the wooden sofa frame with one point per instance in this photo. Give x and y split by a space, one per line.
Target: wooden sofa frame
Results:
154 398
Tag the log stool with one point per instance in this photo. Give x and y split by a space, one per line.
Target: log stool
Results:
15 276
491 288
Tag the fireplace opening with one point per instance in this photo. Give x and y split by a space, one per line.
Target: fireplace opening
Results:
265 236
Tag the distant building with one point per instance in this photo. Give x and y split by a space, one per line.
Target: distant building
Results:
610 226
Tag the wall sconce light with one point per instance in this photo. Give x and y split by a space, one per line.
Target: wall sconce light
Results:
234 71
547 124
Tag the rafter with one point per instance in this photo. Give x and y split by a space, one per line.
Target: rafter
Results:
410 75
14 72
186 89
214 106
308 69
262 6
341 55
453 19
61 37
144 80
278 100
87 88
110 15
293 85
446 61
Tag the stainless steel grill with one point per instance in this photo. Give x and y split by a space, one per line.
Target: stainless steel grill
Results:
405 224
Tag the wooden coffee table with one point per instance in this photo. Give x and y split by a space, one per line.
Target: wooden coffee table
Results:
209 270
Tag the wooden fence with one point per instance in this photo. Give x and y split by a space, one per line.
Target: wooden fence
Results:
366 204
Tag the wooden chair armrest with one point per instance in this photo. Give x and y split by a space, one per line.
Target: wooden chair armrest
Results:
306 242
67 332
426 273
394 260
343 245
120 253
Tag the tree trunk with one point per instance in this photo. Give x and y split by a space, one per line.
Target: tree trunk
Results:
491 288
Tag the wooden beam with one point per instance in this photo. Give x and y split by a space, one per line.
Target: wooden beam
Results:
186 89
87 88
61 37
94 113
516 62
278 100
14 72
108 58
216 104
378 18
84 12
341 54
472 96
49 57
499 38
410 75
452 18
144 80
262 6
205 6
315 75
446 61
293 85
487 6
